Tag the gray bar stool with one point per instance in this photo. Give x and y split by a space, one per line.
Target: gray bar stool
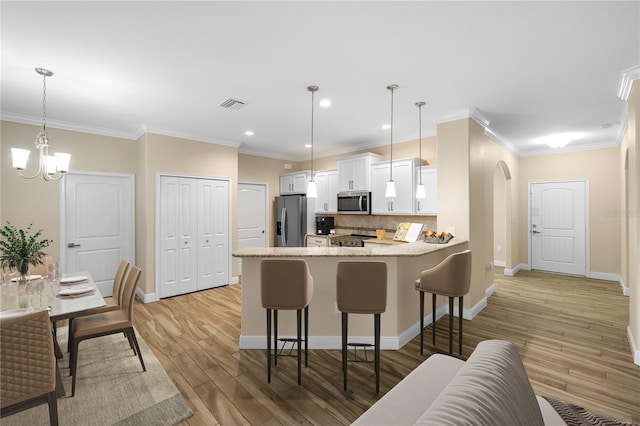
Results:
286 285
452 278
361 289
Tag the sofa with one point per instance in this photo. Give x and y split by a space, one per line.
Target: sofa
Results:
491 388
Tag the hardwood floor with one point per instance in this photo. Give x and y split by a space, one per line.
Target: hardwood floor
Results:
570 332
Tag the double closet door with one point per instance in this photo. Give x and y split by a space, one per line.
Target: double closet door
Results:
194 234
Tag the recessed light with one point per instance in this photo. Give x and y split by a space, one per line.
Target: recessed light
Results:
559 140
249 133
385 126
326 103
307 145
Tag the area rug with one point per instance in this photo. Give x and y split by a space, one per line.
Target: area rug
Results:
574 415
111 388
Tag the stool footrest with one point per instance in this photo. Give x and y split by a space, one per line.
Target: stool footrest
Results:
293 342
364 347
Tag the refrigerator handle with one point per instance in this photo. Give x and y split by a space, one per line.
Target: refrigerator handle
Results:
283 219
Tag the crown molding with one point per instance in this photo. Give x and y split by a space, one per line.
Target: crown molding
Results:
626 81
197 138
568 148
64 125
455 115
502 141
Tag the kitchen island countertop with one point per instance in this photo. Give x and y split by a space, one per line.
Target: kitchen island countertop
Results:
418 248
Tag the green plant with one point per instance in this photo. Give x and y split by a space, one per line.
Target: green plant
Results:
20 249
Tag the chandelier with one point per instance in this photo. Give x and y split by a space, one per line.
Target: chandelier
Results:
52 167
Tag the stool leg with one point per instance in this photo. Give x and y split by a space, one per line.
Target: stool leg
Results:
421 323
275 336
299 321
450 326
345 320
306 336
377 350
433 309
460 306
269 346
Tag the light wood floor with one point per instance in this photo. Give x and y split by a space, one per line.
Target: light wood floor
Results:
570 332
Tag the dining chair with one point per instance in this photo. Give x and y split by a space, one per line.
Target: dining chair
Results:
106 323
28 367
112 303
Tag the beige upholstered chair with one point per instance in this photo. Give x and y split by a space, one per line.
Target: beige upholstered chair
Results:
105 323
286 285
112 303
41 269
28 366
361 288
451 278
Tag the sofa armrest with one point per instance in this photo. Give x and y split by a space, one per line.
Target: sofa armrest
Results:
407 401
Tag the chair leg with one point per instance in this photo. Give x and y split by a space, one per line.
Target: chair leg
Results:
269 346
377 350
275 337
345 320
299 329
131 345
421 323
52 401
460 308
450 326
306 336
433 322
132 333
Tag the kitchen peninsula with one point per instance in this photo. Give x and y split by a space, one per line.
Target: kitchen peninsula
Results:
400 322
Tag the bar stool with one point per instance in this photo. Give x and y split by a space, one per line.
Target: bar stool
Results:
286 285
452 278
361 288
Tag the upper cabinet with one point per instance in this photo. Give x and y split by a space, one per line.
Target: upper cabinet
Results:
404 178
294 183
428 205
354 173
327 185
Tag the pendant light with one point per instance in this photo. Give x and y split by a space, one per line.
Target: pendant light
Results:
420 188
312 191
52 167
391 186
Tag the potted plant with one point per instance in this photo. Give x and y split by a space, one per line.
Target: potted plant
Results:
19 249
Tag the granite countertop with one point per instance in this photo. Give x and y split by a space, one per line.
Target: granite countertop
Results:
418 248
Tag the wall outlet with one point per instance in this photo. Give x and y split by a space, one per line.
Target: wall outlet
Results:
288 166
451 230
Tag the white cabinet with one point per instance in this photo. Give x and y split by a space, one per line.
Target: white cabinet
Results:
354 173
428 205
404 178
294 183
194 234
327 185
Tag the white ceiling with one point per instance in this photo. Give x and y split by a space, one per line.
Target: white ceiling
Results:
122 68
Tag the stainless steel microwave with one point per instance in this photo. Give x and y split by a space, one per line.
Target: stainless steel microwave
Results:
354 202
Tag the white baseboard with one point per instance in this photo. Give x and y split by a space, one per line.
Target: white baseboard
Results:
234 280
146 297
500 263
520 266
489 292
634 346
611 277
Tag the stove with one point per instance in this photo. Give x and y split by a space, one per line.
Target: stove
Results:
353 240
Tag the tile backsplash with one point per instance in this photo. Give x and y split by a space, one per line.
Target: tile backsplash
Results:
367 225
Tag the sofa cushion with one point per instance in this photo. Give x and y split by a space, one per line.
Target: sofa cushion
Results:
405 403
491 389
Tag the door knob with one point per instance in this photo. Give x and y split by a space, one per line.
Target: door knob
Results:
535 232
72 245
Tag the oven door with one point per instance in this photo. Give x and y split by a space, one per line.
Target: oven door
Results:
354 202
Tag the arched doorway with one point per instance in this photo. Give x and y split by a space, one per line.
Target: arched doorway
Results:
502 243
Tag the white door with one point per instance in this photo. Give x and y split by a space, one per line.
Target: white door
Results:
98 216
252 216
206 232
221 241
558 227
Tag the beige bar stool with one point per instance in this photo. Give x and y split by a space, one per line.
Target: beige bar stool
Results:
361 288
452 278
286 285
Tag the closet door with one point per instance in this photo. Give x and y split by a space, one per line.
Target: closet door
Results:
221 256
178 229
206 227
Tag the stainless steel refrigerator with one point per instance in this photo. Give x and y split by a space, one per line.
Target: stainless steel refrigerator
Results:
294 218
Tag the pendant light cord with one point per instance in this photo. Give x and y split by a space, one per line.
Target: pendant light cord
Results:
44 103
391 143
313 93
420 134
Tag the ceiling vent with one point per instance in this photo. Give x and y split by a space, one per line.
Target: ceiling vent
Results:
233 104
